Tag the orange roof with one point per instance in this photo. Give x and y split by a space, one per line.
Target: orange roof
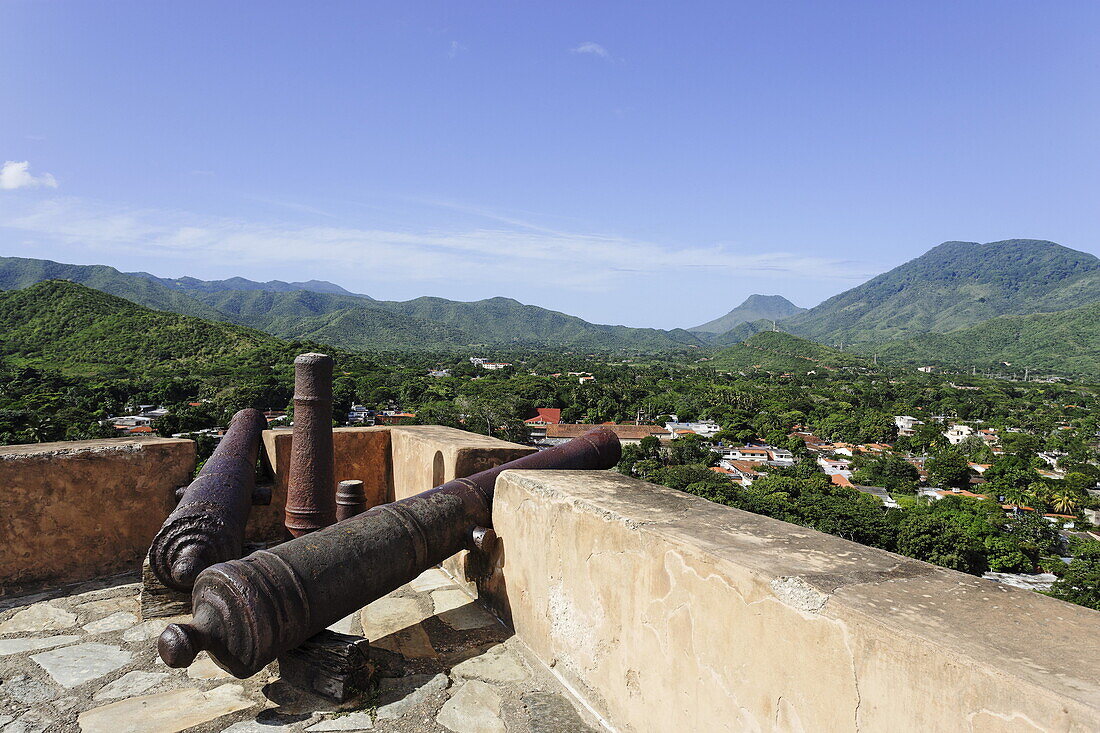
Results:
142 429
964 492
1061 516
840 479
548 415
744 466
685 432
625 432
719 469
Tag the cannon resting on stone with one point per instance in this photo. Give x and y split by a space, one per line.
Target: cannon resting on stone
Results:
208 524
250 611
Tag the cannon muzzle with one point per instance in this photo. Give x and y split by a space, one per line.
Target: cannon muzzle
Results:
207 526
247 612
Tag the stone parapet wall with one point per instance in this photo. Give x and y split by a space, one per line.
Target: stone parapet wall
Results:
79 509
425 456
668 612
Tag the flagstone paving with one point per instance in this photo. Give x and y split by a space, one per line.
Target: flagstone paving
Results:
81 659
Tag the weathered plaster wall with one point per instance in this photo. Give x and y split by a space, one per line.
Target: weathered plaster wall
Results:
669 612
358 453
425 456
79 509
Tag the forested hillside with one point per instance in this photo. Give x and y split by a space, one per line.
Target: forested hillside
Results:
1065 343
955 285
72 328
775 351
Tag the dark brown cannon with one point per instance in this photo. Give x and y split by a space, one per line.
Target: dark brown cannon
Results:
311 492
248 612
207 526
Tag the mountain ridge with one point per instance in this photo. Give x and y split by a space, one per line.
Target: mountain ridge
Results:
754 308
954 285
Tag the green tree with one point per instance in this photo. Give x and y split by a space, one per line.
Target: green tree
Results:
948 469
1080 583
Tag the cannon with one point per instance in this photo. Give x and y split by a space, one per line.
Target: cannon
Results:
310 501
207 526
248 612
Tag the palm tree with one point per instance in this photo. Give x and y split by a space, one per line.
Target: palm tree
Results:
1064 501
1039 493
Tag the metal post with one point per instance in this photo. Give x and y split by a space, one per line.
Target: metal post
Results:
351 499
311 498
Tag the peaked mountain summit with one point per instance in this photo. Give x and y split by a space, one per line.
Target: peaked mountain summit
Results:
755 308
955 285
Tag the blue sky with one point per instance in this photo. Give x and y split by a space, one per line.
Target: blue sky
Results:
627 162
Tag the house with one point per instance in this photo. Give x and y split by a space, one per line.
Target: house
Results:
834 465
628 434
544 416
744 472
958 433
360 415
706 428
907 424
746 453
438 373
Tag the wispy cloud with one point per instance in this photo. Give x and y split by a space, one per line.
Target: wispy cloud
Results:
593 48
489 257
15 174
455 49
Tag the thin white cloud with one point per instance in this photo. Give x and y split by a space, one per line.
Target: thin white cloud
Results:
455 49
593 48
16 174
486 257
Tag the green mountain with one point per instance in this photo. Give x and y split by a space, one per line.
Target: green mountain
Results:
1063 343
66 326
503 321
276 311
194 285
350 321
20 272
741 332
755 308
955 285
775 351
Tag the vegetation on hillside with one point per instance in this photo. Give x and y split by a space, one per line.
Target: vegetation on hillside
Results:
1063 343
955 285
778 352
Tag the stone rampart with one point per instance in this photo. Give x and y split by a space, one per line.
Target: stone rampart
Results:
79 509
667 612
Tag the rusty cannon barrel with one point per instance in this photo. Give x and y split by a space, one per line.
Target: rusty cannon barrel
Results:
207 526
310 496
248 612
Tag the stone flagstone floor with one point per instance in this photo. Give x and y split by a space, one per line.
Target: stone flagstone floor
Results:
79 658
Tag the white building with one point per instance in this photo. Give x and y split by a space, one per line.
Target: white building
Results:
907 424
705 428
958 433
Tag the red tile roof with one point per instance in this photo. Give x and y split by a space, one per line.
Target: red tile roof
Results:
625 432
548 415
